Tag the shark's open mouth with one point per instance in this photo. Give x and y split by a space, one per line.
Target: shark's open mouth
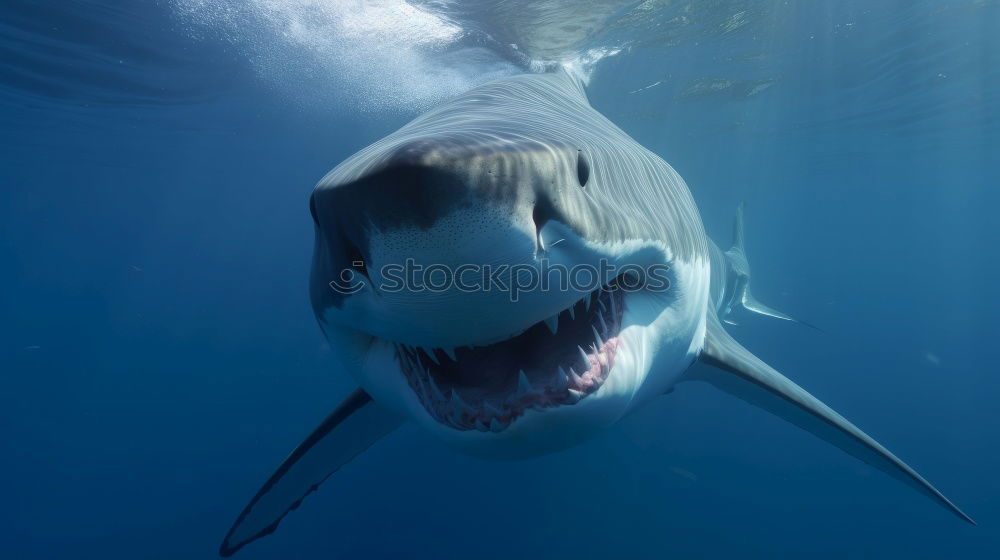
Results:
556 362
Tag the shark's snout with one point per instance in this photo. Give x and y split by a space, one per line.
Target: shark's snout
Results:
403 192
433 230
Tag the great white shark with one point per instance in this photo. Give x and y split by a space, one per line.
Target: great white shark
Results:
519 172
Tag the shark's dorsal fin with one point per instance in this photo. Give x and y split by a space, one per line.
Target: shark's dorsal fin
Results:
739 242
740 265
351 428
742 374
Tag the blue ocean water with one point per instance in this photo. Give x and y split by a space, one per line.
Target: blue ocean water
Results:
160 357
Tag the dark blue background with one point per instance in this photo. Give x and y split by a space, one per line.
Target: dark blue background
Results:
158 355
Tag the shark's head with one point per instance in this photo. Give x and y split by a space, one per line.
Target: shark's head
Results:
510 285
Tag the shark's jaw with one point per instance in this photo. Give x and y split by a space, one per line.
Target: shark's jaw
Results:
635 344
554 363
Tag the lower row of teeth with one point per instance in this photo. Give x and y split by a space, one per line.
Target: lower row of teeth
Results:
566 386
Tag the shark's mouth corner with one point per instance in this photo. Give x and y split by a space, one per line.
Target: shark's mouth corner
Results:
556 362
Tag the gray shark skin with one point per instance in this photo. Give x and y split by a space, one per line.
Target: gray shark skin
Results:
522 171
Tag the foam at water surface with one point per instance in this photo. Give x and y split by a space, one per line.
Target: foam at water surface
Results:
398 55
372 55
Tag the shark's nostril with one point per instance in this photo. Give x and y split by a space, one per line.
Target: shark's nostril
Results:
539 218
540 215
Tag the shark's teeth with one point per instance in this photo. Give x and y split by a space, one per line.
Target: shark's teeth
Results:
430 354
523 385
597 337
434 388
457 403
552 323
491 409
583 354
561 376
602 359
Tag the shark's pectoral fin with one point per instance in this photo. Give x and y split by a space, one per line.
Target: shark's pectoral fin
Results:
754 305
350 429
742 374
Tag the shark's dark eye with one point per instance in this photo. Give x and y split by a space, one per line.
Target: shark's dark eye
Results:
582 168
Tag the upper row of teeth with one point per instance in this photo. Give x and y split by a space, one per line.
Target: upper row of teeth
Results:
551 322
524 386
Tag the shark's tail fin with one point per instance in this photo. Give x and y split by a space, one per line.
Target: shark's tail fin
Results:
738 260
